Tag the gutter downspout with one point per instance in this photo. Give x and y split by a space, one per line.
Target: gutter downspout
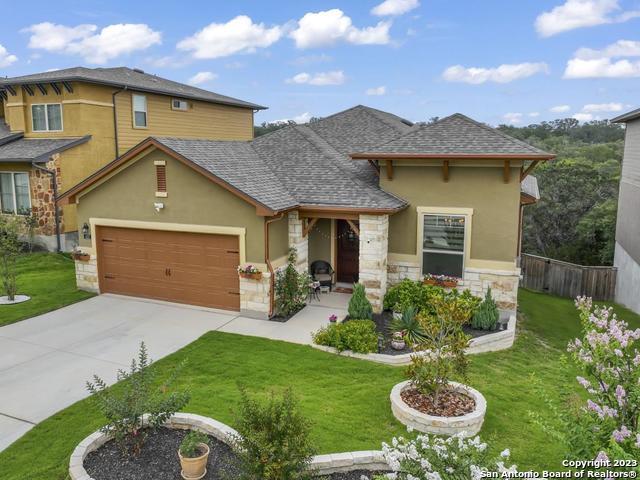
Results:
267 260
54 181
115 118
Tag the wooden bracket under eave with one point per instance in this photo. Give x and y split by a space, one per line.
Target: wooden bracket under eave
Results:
445 170
528 170
354 227
507 171
308 226
389 169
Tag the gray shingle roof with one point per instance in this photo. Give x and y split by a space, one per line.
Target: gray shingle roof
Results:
133 79
455 135
5 134
237 164
37 149
627 117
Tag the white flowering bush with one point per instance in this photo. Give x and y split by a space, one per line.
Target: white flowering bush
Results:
429 457
609 355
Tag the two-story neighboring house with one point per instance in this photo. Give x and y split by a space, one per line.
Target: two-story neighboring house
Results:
627 253
67 124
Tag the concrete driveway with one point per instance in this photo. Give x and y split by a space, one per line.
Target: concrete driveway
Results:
46 360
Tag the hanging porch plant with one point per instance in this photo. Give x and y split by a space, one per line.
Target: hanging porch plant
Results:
249 271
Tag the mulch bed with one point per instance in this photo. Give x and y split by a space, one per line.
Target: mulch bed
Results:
159 461
284 318
451 403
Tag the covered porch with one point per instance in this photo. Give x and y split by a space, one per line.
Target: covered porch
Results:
353 244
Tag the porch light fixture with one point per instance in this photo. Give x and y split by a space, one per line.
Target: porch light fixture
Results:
86 232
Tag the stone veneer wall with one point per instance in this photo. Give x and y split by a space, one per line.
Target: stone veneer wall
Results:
42 199
297 241
87 275
254 296
374 245
504 284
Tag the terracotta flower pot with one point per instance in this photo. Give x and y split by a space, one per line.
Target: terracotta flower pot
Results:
195 468
82 257
252 276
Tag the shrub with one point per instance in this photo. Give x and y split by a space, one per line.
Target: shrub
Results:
273 439
359 305
125 405
456 306
190 445
408 326
291 287
445 342
609 356
9 251
359 336
486 317
429 457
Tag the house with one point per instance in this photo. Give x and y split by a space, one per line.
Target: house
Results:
57 128
379 198
627 250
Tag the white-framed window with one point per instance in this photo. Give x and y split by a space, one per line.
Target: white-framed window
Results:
46 117
139 111
178 104
443 244
15 197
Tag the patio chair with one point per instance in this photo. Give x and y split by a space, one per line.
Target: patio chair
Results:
321 271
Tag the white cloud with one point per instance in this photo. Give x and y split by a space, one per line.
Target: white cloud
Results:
394 7
381 90
238 35
513 117
302 118
336 77
501 74
202 77
321 29
6 58
533 114
603 107
560 108
580 13
583 117
605 63
97 47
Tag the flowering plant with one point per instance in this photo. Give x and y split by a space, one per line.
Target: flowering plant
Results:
436 458
441 279
333 318
398 336
609 354
248 269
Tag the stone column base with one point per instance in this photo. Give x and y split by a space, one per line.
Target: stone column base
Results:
87 275
254 296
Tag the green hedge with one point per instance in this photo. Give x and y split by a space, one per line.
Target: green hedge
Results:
359 336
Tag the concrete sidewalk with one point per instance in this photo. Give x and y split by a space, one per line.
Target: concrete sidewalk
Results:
46 360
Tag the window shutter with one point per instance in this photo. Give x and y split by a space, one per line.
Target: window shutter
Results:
161 178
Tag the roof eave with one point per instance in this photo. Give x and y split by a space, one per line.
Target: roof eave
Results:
449 156
627 117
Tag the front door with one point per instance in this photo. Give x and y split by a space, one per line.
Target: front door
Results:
348 252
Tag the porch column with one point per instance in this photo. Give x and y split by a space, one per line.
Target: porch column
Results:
297 241
374 243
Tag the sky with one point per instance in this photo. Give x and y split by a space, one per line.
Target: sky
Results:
512 61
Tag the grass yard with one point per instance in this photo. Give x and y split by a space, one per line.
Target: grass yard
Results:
346 399
49 279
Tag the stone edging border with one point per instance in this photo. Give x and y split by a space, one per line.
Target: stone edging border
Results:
492 342
471 423
322 464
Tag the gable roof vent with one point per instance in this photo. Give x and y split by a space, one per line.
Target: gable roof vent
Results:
138 70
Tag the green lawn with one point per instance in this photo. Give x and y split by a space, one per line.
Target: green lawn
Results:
346 399
49 279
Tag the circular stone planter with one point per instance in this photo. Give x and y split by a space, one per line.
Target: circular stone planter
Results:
470 423
17 299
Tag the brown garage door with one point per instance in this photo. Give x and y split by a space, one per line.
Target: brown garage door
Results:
193 268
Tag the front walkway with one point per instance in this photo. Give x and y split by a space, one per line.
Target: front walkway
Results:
46 360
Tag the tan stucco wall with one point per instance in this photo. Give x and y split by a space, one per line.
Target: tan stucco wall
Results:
192 199
495 206
320 242
201 120
279 238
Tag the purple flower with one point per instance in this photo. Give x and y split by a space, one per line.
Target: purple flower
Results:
620 395
621 435
584 382
333 317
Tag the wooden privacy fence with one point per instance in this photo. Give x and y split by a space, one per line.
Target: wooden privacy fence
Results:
568 279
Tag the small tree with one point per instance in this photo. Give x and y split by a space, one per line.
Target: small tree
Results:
486 317
359 306
273 439
291 287
441 354
139 394
31 223
9 251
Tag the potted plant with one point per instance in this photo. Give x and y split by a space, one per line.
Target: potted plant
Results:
397 341
194 454
441 280
250 271
333 318
79 255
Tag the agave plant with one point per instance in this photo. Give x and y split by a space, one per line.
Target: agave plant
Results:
408 323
